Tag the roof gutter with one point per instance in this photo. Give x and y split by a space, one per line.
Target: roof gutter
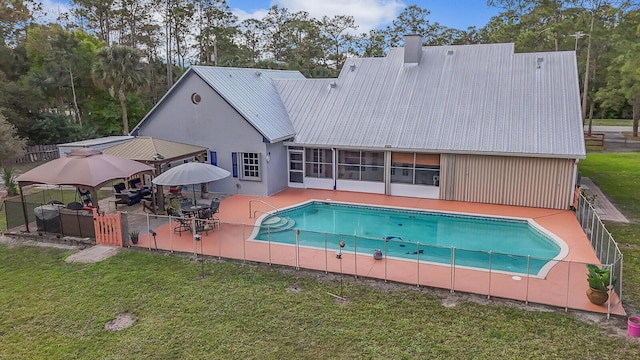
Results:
439 151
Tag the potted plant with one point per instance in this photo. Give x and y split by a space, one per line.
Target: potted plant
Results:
134 235
599 282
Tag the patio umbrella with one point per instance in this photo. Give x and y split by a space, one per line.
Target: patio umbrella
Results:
191 174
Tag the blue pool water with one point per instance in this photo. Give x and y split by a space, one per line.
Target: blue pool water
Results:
515 246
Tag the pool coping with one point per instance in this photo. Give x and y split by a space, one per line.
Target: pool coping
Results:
541 274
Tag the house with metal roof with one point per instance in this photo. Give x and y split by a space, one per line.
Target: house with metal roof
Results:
477 123
238 115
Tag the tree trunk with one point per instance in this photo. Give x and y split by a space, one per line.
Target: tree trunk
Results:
75 99
168 43
123 105
636 115
585 86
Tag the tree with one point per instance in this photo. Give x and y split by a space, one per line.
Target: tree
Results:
371 44
333 28
119 68
14 14
217 29
97 16
250 29
11 145
273 32
623 80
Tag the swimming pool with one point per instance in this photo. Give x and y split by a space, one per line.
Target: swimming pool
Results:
502 244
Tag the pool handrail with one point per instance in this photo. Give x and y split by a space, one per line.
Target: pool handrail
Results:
252 214
262 212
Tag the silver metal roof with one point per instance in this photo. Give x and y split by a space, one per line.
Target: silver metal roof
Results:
252 93
98 141
459 99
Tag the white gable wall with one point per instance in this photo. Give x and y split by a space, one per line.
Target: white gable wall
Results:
212 123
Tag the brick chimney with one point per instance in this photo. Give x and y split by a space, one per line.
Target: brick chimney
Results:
412 48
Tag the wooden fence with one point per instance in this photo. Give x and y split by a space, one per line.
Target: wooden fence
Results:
33 154
108 228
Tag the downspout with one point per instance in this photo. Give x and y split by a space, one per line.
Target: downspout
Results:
387 172
334 154
574 181
24 209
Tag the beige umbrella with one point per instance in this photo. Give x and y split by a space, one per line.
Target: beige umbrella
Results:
190 174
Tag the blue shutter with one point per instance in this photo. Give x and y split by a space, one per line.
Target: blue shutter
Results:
234 164
213 158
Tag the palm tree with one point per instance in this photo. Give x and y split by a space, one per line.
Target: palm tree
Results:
118 67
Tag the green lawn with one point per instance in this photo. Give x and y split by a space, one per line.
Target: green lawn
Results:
54 310
611 122
618 175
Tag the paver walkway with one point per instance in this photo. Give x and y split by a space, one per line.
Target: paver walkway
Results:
604 208
93 254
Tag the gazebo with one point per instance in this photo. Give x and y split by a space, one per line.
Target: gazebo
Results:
157 153
86 169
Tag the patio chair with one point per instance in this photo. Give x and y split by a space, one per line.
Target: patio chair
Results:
125 196
135 184
215 206
203 221
209 214
175 192
182 224
85 196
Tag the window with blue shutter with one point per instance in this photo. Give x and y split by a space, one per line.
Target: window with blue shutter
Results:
213 158
234 164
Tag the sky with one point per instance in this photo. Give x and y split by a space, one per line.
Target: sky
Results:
369 14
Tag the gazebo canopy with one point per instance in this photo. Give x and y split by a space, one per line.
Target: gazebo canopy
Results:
83 167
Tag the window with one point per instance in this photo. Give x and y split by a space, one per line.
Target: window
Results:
250 166
413 168
319 163
361 165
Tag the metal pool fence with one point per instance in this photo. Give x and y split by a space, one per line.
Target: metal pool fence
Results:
606 248
561 283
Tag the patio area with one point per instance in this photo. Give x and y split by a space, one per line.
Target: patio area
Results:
564 286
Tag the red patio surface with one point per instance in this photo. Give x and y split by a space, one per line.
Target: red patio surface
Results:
564 286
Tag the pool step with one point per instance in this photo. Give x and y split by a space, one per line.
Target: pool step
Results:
277 223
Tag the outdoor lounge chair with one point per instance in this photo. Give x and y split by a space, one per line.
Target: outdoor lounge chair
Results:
125 196
135 184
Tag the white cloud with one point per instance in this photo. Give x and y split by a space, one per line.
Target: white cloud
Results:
368 14
243 15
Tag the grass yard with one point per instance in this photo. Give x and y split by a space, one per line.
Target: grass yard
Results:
618 175
611 122
54 310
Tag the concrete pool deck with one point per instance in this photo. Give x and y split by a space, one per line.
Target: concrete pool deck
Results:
564 286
